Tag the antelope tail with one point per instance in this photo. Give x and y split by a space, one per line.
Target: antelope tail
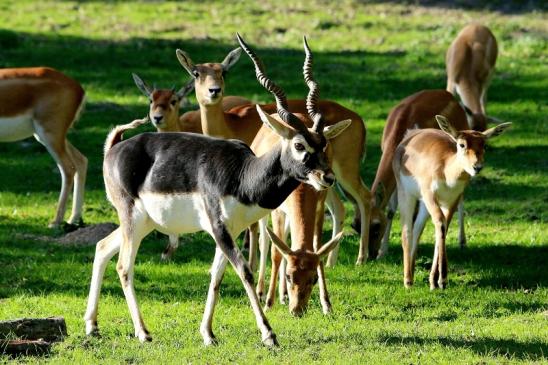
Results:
116 134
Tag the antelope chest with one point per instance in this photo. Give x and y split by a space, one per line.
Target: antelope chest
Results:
16 128
186 213
447 193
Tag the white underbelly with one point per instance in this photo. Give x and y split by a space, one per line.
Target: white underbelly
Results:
447 195
185 213
16 128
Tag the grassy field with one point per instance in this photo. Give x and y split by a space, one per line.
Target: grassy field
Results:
368 56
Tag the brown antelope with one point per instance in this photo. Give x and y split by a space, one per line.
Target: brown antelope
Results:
164 115
220 187
434 167
43 102
304 208
416 111
243 122
470 62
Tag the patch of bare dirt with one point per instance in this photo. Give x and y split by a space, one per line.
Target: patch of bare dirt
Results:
84 236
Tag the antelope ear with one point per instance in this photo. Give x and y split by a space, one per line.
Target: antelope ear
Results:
141 85
329 246
279 127
280 245
496 131
231 59
334 130
446 126
185 90
185 61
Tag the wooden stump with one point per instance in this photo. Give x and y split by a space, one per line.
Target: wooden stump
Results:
31 336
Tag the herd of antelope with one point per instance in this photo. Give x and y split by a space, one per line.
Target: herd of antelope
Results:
237 161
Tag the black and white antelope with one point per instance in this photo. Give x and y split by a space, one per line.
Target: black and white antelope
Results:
182 182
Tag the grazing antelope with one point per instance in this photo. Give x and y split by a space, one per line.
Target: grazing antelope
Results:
43 102
470 62
435 167
243 122
185 182
416 111
164 115
304 207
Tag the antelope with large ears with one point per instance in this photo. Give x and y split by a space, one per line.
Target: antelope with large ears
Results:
219 186
304 209
45 103
433 167
470 63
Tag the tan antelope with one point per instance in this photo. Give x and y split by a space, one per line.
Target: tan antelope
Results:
243 122
304 208
164 115
45 103
416 111
434 167
470 62
220 187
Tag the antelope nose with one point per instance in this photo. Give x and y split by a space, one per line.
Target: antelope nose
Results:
329 178
214 91
158 118
477 168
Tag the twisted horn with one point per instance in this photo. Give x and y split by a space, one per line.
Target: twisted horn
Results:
279 94
314 91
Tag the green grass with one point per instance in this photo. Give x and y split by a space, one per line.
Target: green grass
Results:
368 56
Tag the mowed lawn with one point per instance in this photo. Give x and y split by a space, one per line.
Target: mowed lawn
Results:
368 56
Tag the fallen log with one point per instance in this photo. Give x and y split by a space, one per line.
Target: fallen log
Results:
24 347
48 329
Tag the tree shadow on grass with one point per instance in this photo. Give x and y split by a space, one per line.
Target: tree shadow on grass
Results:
510 349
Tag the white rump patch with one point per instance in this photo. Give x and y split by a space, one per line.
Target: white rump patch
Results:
16 128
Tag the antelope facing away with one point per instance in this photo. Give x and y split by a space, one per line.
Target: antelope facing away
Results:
435 167
470 63
164 115
43 102
416 111
185 182
243 122
304 208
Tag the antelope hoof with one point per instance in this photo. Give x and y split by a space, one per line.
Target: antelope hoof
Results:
91 328
326 309
360 261
166 256
209 337
407 283
270 340
143 336
442 284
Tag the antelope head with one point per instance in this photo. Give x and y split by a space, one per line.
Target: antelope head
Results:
301 270
470 145
164 103
209 77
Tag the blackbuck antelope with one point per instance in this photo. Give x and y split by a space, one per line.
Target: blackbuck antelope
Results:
434 167
164 115
184 182
45 103
470 63
243 122
304 208
416 111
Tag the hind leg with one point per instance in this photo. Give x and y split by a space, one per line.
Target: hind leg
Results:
336 208
81 164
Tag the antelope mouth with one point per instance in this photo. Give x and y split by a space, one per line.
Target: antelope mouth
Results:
319 182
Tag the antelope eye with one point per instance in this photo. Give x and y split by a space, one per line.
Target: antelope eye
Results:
461 145
288 278
299 147
173 102
196 74
150 101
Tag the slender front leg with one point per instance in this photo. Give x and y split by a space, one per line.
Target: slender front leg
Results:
253 231
318 229
439 262
462 234
105 249
226 243
217 272
263 248
336 208
418 227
